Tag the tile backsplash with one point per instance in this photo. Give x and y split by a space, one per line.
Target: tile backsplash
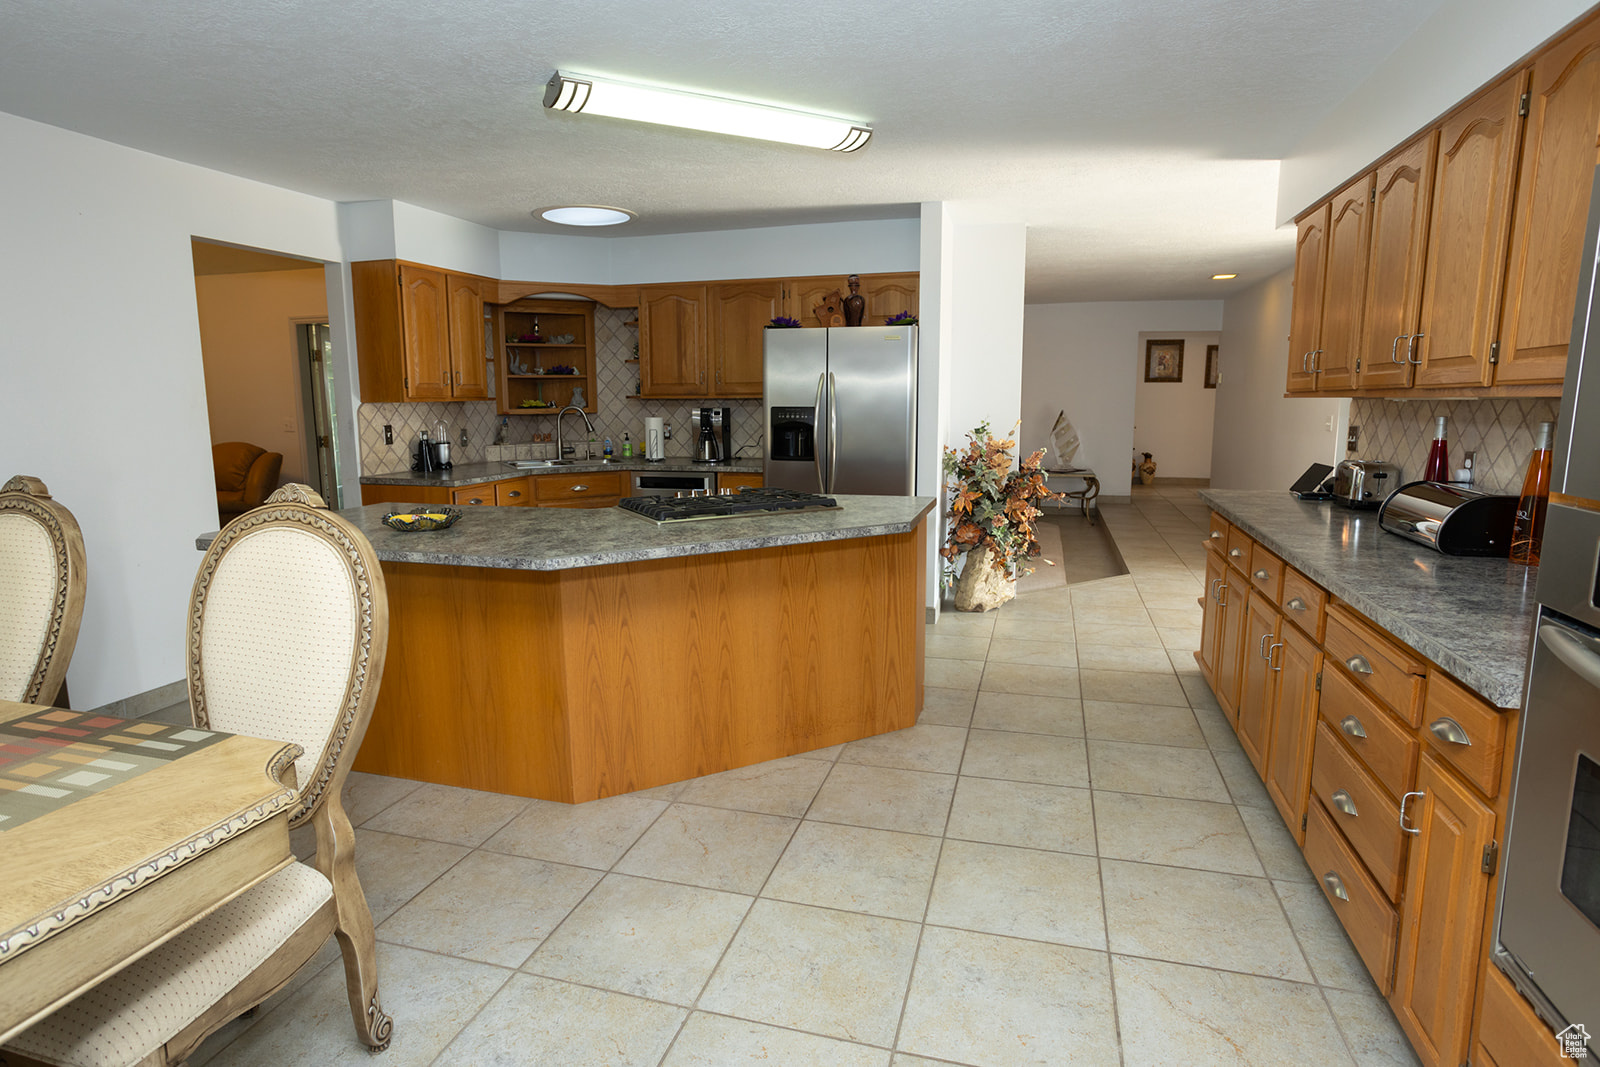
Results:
618 412
1500 431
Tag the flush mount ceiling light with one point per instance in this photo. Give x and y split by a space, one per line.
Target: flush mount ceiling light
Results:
713 114
1222 277
584 215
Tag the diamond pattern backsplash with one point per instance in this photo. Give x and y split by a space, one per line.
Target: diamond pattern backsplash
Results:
1501 431
618 413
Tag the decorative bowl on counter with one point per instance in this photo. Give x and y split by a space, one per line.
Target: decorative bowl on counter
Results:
430 517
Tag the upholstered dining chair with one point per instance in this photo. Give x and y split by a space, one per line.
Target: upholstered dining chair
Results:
42 578
288 626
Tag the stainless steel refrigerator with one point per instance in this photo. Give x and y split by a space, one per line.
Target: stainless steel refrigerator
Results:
840 409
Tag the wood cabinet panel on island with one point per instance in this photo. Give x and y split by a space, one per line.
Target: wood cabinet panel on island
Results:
419 333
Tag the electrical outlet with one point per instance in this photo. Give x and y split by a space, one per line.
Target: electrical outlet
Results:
288 426
1353 439
463 437
388 434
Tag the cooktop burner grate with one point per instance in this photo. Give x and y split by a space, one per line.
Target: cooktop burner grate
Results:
665 509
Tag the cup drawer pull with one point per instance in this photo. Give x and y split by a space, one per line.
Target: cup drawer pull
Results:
1335 885
579 488
1352 727
476 500
1450 731
1342 801
1262 574
1296 604
1216 535
1358 665
1235 552
514 494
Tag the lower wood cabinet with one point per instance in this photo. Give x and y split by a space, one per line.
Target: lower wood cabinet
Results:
1211 614
1235 590
740 480
1360 906
1258 688
1509 1033
1288 772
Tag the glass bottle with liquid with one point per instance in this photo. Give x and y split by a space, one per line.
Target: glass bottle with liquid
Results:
1527 532
1438 466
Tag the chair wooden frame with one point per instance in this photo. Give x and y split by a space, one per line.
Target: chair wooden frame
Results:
29 496
345 914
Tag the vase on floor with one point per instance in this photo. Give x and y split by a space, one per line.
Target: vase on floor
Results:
981 585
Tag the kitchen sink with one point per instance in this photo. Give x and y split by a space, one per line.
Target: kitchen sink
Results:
536 464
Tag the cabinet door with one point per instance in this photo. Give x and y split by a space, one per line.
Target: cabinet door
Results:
737 316
1211 616
806 293
1473 183
1257 687
1305 320
424 333
1401 195
1288 773
1345 284
888 295
1230 642
672 340
1558 159
1442 916
469 373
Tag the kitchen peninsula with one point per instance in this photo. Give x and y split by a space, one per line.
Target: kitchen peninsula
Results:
570 654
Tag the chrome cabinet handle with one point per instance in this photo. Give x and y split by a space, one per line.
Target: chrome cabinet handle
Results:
1235 553
1262 575
1352 726
1315 352
1335 885
1358 665
1213 594
579 488
1403 802
1342 801
514 494
1447 729
1261 649
1411 350
1305 359
1216 535
1222 594
1394 350
1296 604
1270 651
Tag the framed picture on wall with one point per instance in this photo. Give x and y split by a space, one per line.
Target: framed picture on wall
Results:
1163 361
1213 375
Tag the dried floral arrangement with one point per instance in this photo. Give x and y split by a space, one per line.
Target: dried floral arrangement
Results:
901 318
992 504
784 322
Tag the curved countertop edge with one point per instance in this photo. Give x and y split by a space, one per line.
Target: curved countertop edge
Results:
552 539
1473 616
494 470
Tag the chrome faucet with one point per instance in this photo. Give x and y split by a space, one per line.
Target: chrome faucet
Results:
563 449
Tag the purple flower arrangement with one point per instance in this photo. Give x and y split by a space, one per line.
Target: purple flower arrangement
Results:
904 318
784 322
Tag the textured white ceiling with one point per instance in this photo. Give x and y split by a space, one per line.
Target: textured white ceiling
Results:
1136 138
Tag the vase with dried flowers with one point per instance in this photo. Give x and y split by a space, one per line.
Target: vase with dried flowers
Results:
992 508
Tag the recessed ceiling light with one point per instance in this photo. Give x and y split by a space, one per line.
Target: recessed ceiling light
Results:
584 215
1222 277
694 111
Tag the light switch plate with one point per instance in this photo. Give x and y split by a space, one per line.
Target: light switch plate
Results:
1353 440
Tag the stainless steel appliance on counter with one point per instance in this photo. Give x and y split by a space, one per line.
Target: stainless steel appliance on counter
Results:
671 483
1364 483
840 409
1548 930
713 428
1452 519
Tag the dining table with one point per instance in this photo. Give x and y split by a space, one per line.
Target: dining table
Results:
115 835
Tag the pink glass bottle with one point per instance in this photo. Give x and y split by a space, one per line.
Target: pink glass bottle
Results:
1438 468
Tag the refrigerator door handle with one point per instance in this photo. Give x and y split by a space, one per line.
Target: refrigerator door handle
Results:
816 419
833 434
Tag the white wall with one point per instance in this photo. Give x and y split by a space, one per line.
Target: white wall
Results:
1462 46
1172 420
104 390
251 353
1263 440
1077 357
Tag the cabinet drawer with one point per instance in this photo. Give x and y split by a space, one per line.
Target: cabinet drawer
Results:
1239 545
1376 662
474 494
553 488
1367 917
1509 1031
1266 572
1304 602
582 502
1468 733
739 480
1388 749
1369 820
1219 530
513 493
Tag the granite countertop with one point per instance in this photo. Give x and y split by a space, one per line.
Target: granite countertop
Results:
464 474
1470 615
554 539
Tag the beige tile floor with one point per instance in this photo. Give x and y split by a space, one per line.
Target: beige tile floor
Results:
1068 860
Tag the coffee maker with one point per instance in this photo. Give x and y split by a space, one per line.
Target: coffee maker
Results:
714 436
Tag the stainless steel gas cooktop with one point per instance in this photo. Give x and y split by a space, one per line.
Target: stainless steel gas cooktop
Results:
746 502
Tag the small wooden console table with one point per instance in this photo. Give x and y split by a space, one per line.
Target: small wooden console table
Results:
1084 496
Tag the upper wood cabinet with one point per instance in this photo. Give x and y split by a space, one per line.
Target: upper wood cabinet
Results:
886 295
672 340
419 332
1402 192
1473 184
737 317
1344 285
1558 161
1305 322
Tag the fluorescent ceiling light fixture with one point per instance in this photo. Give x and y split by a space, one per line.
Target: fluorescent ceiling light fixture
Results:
1222 277
714 114
585 215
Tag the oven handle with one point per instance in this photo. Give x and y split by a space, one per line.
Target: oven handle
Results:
1581 654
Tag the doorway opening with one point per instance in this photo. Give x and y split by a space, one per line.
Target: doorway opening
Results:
316 410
